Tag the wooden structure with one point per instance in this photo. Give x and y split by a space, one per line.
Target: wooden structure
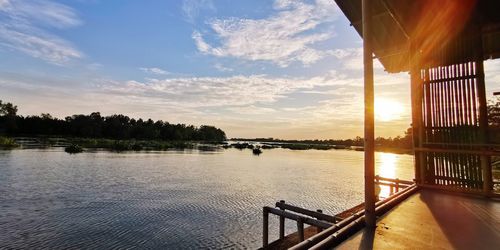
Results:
442 44
398 190
300 215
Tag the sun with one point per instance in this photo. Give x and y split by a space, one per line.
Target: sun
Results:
388 110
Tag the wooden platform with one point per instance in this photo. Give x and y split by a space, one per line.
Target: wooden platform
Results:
434 220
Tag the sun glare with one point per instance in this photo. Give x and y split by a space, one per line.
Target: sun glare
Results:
388 110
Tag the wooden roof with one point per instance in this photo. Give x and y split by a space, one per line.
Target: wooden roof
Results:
431 25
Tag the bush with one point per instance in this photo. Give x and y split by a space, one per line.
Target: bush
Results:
7 142
73 149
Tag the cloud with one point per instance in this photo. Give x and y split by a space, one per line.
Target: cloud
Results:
24 27
191 8
266 102
155 71
282 38
251 110
222 68
199 92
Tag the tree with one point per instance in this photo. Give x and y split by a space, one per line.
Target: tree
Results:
494 112
7 109
494 120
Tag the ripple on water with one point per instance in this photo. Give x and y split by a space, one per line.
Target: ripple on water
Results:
167 200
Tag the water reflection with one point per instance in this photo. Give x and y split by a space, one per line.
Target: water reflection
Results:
387 168
172 200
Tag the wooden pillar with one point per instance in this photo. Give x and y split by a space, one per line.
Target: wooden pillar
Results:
483 127
370 217
282 223
300 228
417 125
483 116
319 228
265 227
427 167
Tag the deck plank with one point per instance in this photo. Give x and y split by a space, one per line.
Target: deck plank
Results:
434 220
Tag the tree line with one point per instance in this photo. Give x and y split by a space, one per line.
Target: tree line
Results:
97 126
404 142
123 127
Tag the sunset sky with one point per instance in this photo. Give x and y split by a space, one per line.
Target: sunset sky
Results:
283 69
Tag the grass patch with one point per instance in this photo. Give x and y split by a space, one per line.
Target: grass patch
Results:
7 143
130 145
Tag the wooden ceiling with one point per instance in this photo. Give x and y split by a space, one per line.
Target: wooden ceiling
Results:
432 26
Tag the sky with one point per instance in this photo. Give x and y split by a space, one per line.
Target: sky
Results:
255 68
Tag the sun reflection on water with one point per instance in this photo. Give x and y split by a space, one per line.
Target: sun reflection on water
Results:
387 163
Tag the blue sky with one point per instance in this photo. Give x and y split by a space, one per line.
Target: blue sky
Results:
284 69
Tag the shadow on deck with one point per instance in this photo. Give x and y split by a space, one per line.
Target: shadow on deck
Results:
434 220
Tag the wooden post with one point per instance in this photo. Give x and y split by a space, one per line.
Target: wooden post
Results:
265 227
483 127
319 228
483 117
370 217
417 99
300 228
428 165
282 223
397 185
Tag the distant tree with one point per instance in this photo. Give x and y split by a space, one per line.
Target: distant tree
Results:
46 116
7 109
96 126
8 118
494 120
494 112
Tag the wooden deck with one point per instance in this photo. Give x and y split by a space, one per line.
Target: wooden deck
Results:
434 220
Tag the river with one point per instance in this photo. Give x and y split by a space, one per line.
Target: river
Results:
171 199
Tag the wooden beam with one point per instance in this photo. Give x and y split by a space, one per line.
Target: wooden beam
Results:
296 217
395 18
370 217
459 151
320 216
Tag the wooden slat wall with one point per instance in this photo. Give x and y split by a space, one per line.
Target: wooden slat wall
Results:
450 120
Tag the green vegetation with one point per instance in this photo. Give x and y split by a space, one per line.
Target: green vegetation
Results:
396 145
111 129
241 146
494 120
266 146
127 145
257 151
7 143
73 149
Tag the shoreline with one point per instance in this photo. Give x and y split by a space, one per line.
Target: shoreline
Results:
119 145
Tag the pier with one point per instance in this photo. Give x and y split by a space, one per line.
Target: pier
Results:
454 200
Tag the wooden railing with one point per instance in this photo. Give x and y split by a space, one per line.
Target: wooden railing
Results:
320 220
466 168
329 238
393 184
300 215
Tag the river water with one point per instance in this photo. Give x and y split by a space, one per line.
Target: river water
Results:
171 199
